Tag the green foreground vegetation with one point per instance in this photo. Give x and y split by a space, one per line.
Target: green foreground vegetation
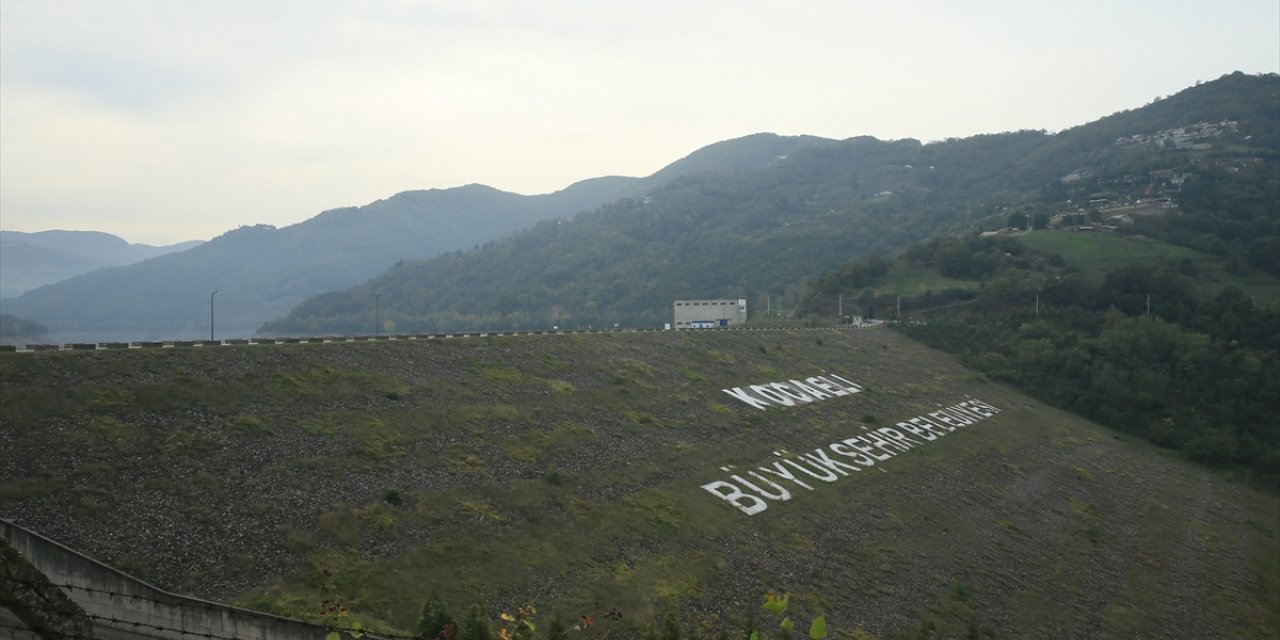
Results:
565 472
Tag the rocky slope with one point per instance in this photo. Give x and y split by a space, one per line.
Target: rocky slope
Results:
570 470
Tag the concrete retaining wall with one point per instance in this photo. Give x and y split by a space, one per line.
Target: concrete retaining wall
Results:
117 600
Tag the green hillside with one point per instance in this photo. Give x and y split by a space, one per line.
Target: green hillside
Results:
1089 256
1205 157
1096 254
585 474
1158 340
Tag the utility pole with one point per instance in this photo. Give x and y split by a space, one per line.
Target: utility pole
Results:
1037 304
1148 305
840 307
215 292
377 300
899 308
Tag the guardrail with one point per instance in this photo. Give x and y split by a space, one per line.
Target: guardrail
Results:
240 342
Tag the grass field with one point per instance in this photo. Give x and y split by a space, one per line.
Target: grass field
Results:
1094 254
567 471
915 282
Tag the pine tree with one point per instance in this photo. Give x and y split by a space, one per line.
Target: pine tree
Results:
477 626
433 618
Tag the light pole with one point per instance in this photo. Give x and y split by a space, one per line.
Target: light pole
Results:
215 292
377 303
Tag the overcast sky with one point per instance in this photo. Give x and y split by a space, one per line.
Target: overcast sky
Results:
172 120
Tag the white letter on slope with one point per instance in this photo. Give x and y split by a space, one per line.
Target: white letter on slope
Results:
738 393
734 496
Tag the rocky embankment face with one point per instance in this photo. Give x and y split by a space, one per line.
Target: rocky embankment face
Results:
570 470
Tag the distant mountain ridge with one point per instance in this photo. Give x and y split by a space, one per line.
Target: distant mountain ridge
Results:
759 234
261 272
31 260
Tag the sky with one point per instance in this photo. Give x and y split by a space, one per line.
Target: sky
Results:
171 120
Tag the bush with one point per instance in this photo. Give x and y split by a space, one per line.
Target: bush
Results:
434 619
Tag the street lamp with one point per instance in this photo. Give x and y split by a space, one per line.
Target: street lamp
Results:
215 292
376 311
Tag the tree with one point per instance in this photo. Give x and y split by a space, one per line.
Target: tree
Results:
477 626
1069 290
955 261
1264 253
434 618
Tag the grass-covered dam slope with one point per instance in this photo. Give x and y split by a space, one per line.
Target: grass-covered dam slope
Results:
878 481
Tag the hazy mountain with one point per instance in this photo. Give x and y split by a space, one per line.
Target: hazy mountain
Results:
759 234
30 260
740 154
260 272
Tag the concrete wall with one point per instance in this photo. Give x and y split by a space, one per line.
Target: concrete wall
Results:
114 599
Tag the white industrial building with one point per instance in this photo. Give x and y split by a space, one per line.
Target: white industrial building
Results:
708 314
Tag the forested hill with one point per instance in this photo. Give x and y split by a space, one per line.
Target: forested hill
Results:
1161 322
759 234
30 260
260 272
